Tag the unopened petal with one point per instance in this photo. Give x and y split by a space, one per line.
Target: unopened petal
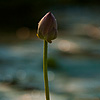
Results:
47 27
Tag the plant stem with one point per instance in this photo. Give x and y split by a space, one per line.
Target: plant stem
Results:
45 70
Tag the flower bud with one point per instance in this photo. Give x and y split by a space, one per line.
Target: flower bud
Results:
47 28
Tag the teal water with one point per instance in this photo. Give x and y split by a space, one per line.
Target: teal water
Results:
76 76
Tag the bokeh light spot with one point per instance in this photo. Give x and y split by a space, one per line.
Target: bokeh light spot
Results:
23 33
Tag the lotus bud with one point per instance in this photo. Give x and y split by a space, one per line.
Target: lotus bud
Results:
47 28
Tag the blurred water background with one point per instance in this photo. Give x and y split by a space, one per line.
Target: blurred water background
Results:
73 58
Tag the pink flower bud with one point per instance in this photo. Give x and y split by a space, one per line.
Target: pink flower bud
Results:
47 28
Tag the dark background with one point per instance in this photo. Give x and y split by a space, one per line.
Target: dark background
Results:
26 13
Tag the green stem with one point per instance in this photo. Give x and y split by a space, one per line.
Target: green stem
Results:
45 70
